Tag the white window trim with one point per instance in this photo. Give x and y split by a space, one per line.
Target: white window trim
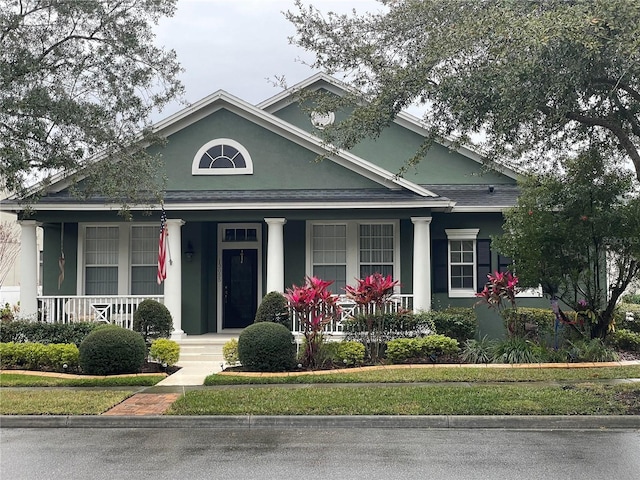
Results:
124 254
247 170
462 234
353 259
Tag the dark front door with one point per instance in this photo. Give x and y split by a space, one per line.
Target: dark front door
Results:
239 287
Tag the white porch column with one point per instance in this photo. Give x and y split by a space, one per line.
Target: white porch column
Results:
421 263
173 282
28 270
275 254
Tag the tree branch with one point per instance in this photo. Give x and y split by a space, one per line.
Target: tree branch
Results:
625 142
620 84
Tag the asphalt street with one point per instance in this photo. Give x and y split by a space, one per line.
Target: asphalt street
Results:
335 453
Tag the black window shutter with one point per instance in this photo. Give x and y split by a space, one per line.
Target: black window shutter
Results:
483 252
439 260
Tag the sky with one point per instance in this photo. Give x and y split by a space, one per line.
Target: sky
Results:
240 46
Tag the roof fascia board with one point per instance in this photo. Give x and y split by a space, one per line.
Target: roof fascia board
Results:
187 206
481 209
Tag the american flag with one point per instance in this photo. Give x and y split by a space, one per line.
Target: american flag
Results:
162 248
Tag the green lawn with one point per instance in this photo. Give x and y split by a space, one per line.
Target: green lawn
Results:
462 374
512 399
19 380
59 402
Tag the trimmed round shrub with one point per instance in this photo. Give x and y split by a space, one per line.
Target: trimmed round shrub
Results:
165 351
266 347
274 308
153 320
112 350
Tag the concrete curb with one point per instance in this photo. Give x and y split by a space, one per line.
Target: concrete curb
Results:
517 422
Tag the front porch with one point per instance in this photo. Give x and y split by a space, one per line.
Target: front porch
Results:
119 310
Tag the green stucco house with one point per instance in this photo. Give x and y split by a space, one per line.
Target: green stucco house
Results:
250 210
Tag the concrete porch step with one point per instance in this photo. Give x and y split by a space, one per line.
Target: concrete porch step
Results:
203 348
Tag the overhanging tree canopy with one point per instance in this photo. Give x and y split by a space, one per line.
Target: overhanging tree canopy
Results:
578 235
535 76
78 80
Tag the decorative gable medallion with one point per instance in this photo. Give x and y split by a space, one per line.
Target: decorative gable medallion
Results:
322 120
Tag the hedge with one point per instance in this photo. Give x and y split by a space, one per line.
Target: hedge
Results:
422 349
524 322
39 356
20 331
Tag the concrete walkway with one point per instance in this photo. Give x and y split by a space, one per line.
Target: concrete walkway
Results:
191 373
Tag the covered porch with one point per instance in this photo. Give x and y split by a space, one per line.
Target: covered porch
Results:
119 310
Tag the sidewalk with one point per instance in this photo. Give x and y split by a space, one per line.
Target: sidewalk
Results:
145 409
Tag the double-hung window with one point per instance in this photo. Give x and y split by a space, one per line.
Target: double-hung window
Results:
119 259
144 260
329 253
101 249
344 251
462 261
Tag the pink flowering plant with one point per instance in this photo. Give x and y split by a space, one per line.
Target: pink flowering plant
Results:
372 293
501 288
315 306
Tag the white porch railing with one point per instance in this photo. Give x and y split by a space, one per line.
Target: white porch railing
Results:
116 309
348 309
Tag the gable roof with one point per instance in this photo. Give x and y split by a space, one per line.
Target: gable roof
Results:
223 100
407 194
323 81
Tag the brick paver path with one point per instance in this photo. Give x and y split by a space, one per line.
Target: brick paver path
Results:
144 404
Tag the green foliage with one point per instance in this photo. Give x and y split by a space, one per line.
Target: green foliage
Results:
626 321
165 351
326 354
535 77
7 313
388 326
274 308
515 350
532 323
633 298
460 323
623 339
478 351
421 349
230 351
266 347
593 350
112 350
153 320
38 332
37 356
351 353
79 78
565 226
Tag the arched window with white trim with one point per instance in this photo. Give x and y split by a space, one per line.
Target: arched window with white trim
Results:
222 156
